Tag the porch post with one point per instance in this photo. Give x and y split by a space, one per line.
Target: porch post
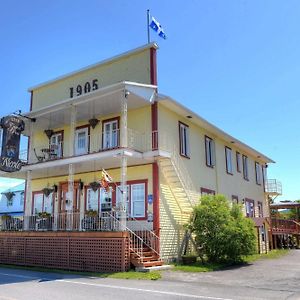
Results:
30 143
72 130
28 203
124 141
70 198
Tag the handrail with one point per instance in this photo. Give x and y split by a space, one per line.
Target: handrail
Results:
153 244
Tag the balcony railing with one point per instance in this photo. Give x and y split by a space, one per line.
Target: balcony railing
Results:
285 226
61 222
88 144
273 186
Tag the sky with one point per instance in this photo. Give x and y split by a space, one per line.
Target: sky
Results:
235 62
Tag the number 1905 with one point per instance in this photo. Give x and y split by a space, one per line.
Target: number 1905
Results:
86 88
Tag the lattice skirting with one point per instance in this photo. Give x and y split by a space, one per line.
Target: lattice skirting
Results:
95 252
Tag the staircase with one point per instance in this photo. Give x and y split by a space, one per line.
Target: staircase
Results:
146 259
180 184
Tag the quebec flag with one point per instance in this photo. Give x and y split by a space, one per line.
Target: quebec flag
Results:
157 27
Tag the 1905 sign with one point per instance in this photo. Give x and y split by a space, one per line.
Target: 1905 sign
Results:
12 127
84 89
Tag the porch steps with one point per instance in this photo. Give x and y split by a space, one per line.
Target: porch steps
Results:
148 259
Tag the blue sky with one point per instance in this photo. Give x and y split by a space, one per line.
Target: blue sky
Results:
236 63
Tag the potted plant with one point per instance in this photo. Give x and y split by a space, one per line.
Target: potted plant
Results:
189 259
90 220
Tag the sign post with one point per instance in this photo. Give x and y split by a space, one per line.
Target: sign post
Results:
12 127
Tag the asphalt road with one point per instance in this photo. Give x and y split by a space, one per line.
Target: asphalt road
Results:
265 279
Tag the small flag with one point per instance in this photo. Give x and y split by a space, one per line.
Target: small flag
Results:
157 28
105 180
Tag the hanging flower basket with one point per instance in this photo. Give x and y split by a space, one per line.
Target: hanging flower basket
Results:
9 195
94 185
47 191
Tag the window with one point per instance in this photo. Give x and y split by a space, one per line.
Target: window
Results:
136 199
82 140
209 151
257 173
263 233
99 200
235 199
245 167
238 162
184 140
10 201
110 133
249 204
205 191
56 145
260 209
42 203
228 157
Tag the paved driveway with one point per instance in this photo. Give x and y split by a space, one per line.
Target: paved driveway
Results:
265 279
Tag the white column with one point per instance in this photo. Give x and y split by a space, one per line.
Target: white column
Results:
70 197
72 131
30 141
28 203
124 140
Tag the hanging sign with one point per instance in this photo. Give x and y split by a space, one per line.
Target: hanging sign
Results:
12 127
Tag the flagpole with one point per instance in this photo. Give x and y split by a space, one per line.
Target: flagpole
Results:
148 23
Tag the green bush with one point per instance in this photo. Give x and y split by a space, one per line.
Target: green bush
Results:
223 233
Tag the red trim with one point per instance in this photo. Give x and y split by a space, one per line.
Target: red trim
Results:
211 154
89 134
155 192
153 67
249 201
154 125
110 120
238 161
207 191
43 202
131 182
245 163
227 171
180 150
257 169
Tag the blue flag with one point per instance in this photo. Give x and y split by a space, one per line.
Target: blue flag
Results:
157 28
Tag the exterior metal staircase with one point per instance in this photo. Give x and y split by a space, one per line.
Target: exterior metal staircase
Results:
180 183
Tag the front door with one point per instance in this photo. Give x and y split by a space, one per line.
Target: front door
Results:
69 207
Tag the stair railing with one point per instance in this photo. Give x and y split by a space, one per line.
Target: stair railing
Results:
148 236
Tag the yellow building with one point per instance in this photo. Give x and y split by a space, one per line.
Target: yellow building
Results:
160 156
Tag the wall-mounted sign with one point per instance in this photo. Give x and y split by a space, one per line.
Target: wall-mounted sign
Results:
84 89
12 127
150 199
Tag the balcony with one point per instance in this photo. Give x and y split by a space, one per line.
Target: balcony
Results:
273 187
281 226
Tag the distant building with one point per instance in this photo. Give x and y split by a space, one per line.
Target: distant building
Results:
12 201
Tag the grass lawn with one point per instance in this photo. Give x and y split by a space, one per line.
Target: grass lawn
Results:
118 275
208 267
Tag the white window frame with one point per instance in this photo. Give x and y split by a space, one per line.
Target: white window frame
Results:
184 139
101 200
228 159
258 174
56 145
209 152
133 214
85 150
42 206
245 167
110 136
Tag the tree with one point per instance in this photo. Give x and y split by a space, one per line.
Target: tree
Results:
223 233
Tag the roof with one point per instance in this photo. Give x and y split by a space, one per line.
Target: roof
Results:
285 205
103 62
17 188
198 120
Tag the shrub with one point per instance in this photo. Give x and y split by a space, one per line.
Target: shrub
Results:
223 233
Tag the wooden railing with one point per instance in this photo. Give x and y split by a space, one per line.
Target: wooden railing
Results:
285 226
